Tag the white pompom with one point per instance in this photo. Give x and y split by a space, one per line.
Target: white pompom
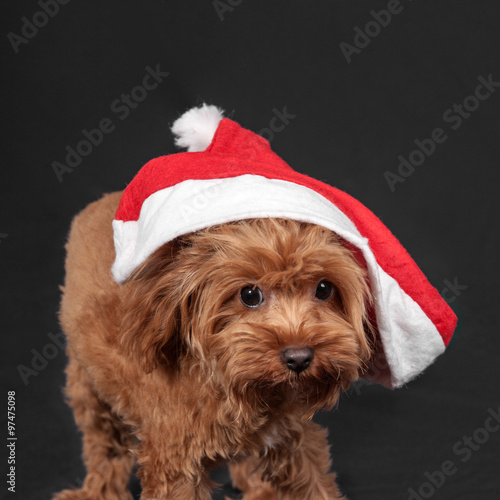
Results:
195 129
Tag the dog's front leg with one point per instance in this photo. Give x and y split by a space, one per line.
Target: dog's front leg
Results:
171 486
300 470
166 475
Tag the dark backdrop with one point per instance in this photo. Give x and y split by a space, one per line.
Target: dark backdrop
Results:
351 120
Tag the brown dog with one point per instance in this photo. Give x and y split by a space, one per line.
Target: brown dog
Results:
219 347
216 304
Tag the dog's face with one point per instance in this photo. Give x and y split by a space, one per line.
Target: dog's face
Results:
271 308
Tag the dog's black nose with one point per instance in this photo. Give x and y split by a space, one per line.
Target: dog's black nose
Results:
297 358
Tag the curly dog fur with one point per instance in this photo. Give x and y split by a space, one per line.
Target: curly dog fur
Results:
172 371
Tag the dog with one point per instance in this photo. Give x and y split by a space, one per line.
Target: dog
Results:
218 302
220 347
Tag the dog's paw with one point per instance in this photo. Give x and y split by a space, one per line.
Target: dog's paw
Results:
72 495
260 494
88 495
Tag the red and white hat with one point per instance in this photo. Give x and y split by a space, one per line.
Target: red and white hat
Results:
230 173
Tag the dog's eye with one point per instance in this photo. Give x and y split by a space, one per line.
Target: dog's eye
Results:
324 290
251 296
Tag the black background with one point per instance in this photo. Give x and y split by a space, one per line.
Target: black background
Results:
352 121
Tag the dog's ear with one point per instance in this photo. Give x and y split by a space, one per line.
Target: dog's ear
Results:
150 331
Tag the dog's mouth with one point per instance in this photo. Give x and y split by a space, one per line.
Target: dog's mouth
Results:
271 377
312 389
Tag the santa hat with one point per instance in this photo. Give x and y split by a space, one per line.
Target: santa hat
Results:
230 173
